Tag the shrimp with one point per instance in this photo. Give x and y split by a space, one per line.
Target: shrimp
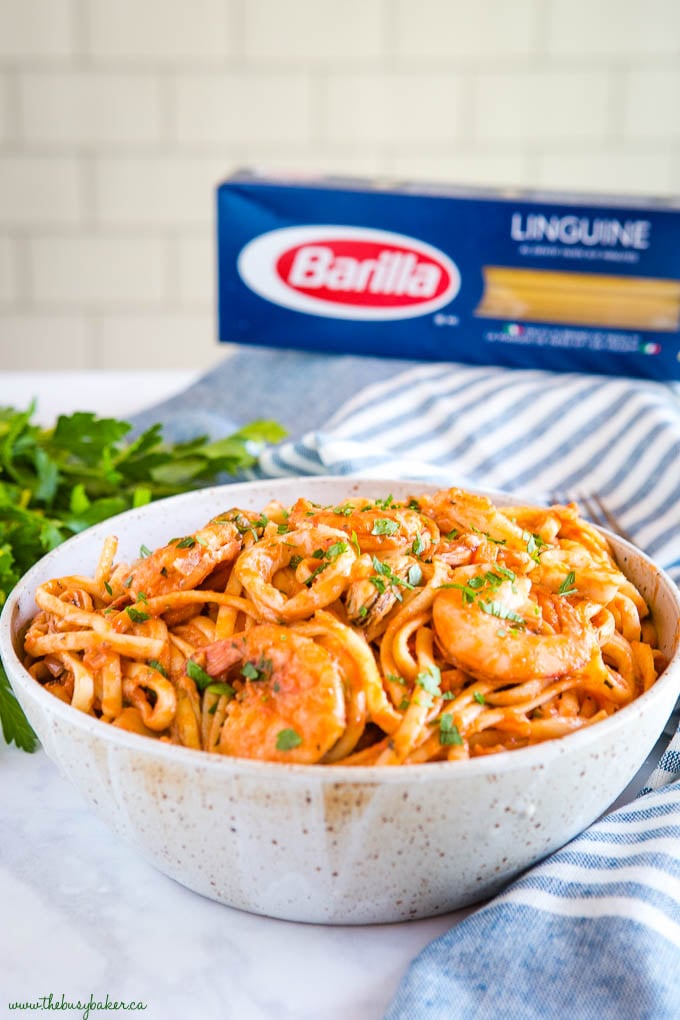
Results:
480 629
182 564
376 526
371 596
322 558
288 703
454 509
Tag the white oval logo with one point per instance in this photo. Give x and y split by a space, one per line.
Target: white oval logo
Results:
348 272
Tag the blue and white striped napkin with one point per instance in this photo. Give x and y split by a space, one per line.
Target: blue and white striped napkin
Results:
593 931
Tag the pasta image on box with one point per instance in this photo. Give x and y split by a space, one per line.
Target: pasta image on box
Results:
481 276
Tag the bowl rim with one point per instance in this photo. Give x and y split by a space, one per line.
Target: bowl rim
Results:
536 756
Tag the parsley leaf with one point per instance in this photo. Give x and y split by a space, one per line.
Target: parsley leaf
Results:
198 675
448 731
567 586
287 739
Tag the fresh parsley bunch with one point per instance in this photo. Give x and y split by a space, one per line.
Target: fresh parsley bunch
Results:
56 482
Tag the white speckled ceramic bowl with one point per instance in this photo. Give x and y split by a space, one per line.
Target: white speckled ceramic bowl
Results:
334 845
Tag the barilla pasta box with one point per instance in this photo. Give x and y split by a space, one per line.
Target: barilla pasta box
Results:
528 280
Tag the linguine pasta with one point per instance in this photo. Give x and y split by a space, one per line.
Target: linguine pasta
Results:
372 632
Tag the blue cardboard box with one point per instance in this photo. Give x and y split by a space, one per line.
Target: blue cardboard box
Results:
530 280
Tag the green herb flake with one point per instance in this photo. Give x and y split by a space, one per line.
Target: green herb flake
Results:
403 704
449 733
186 543
479 698
144 551
155 664
384 526
567 586
109 589
418 545
198 675
414 575
136 615
430 680
287 739
221 689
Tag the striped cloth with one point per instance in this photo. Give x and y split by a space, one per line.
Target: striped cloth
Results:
593 931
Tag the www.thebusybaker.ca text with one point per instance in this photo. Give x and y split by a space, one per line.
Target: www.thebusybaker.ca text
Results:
84 1007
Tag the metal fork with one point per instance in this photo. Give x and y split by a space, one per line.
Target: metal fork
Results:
599 513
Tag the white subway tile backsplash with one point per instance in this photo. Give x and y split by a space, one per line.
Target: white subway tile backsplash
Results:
98 270
90 108
197 269
389 107
460 30
538 107
119 117
314 30
156 190
244 107
471 168
8 272
35 340
160 30
5 116
609 172
652 104
36 28
163 340
613 28
36 191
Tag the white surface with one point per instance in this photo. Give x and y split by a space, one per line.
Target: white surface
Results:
84 914
116 394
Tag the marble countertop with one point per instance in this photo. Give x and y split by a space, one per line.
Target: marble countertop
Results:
84 914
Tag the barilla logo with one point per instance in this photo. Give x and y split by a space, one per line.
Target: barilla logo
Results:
348 272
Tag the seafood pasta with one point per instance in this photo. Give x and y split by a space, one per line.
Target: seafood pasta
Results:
372 632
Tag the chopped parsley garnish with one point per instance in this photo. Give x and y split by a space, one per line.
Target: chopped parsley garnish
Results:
155 664
413 504
384 504
186 543
430 680
494 608
136 615
534 545
287 739
108 588
567 586
414 575
448 731
128 581
295 561
453 533
384 526
144 551
355 543
328 556
418 545
479 698
385 576
261 671
345 509
282 529
403 704
220 689
198 675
